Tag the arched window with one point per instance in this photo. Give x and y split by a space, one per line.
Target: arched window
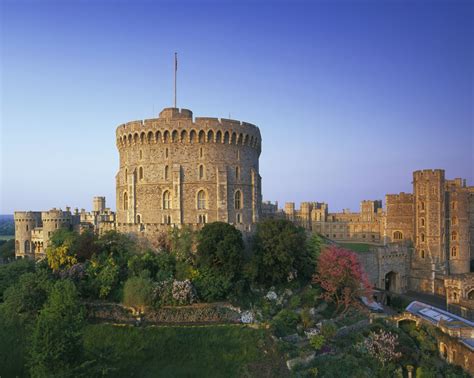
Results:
166 172
27 227
238 200
125 201
422 205
422 253
201 172
454 236
422 222
167 200
200 152
454 252
202 219
454 221
166 153
470 295
167 219
422 238
397 235
139 218
237 173
140 173
126 175
201 200
27 246
238 218
455 296
141 154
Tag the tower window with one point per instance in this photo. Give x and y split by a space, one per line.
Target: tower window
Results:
422 222
397 235
422 253
166 172
201 200
454 236
126 175
422 205
422 238
238 200
139 218
27 246
237 173
454 221
141 154
125 201
239 218
200 152
166 152
201 172
166 200
27 228
202 219
454 252
140 173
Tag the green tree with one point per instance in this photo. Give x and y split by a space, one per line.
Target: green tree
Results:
61 257
10 273
279 249
137 292
56 344
7 249
317 341
210 285
221 249
181 243
24 300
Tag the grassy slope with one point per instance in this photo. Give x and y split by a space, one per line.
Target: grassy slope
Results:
217 351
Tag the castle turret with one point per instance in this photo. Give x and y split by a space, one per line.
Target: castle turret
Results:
25 223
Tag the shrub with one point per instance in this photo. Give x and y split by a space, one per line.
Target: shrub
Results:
285 322
295 302
10 273
137 292
317 341
212 286
328 330
306 319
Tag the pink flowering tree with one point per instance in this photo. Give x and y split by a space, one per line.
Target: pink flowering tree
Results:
382 346
342 278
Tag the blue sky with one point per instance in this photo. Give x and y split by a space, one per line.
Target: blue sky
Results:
350 96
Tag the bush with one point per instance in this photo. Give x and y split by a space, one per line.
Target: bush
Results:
328 330
317 341
284 323
295 302
10 273
137 292
211 286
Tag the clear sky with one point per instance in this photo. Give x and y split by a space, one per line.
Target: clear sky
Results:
350 97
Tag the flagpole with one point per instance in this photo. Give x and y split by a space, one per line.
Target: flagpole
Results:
175 74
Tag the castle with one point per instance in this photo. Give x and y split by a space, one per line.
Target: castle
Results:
178 170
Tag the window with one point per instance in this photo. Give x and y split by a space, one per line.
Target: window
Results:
201 172
422 222
422 205
167 219
166 152
202 219
167 200
126 175
422 237
397 235
27 227
454 236
422 253
239 218
125 201
238 154
201 200
453 205
454 221
140 173
237 173
27 246
141 154
139 218
200 152
454 252
166 172
238 200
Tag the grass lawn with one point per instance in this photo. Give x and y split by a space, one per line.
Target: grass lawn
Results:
357 247
204 351
7 237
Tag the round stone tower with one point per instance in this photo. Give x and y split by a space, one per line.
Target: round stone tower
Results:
25 222
176 170
53 220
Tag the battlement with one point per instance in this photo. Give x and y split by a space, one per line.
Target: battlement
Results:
180 128
428 174
400 197
27 215
55 214
176 113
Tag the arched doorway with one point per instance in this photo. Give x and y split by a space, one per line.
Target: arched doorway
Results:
470 295
443 350
391 282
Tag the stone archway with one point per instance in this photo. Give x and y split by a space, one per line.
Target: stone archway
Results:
392 283
470 295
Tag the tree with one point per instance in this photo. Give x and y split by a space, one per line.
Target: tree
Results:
341 277
24 300
10 273
221 249
7 249
62 256
56 344
137 292
181 243
279 252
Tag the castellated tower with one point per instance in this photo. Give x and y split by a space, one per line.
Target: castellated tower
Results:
98 204
430 217
25 223
175 170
